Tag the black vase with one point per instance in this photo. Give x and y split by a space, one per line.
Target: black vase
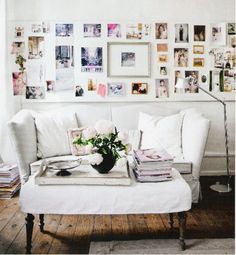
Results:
107 164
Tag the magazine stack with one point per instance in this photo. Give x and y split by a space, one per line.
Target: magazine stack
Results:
152 165
9 180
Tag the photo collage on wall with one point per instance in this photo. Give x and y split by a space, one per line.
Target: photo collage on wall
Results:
191 53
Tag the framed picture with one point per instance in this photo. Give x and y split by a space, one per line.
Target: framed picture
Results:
163 58
198 62
181 57
198 49
116 89
162 88
181 33
199 33
161 30
218 34
128 59
139 88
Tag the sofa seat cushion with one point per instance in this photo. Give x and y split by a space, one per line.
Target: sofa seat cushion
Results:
164 197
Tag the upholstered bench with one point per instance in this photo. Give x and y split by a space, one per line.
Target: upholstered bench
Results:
138 198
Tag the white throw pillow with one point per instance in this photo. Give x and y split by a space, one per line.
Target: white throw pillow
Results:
162 133
52 133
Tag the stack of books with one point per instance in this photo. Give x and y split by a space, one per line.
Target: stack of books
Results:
152 165
9 180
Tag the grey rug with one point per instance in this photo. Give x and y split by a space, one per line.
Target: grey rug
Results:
164 246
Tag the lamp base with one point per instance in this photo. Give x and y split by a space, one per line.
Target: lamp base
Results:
221 188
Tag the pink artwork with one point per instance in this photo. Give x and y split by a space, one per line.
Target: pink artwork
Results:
19 83
113 30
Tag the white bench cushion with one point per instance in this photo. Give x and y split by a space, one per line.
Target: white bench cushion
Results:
164 197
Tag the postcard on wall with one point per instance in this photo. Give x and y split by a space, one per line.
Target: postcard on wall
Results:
199 33
92 30
162 58
139 88
198 62
181 33
46 27
163 70
19 81
18 48
35 73
79 91
217 55
35 47
35 92
181 57
162 47
231 28
198 49
50 86
113 30
162 88
19 32
36 28
192 77
178 74
138 31
92 85
64 79
161 30
64 30
64 56
116 89
91 59
218 34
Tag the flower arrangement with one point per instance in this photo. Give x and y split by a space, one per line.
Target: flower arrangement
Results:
103 142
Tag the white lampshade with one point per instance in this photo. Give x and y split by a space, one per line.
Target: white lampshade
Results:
182 83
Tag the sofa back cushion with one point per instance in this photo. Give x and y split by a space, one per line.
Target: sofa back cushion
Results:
162 133
52 138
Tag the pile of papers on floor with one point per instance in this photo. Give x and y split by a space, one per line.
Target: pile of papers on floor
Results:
152 165
9 180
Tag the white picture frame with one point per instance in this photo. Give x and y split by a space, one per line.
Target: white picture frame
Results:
120 66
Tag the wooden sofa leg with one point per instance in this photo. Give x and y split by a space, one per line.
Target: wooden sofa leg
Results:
182 227
41 222
171 221
29 230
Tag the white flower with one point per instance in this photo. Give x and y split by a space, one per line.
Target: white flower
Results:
89 133
104 127
95 159
121 162
128 148
123 137
88 149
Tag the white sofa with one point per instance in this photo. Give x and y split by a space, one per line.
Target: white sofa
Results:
195 129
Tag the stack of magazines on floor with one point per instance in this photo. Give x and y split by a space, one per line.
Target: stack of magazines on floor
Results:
152 165
9 180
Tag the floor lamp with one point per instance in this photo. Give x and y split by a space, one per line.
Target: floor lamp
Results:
221 188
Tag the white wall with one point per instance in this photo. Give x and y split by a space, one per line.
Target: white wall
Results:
124 11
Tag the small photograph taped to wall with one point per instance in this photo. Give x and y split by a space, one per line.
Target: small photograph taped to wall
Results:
50 86
92 85
162 47
181 33
162 58
19 32
35 47
181 57
161 30
19 82
35 92
36 28
17 48
231 28
218 34
178 75
134 31
64 56
116 89
127 59
199 33
113 30
192 77
79 91
163 70
139 88
162 88
64 30
46 27
92 30
91 59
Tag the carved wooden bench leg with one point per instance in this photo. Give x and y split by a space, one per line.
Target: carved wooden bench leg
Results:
171 221
29 230
182 227
41 222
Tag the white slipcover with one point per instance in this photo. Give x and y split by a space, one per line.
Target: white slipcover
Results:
163 197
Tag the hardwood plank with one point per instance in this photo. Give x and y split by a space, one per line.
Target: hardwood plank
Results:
62 238
155 225
102 227
119 227
43 241
137 226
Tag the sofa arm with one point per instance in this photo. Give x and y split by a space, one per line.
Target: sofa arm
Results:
194 137
22 133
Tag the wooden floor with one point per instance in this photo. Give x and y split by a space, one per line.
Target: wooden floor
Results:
212 218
